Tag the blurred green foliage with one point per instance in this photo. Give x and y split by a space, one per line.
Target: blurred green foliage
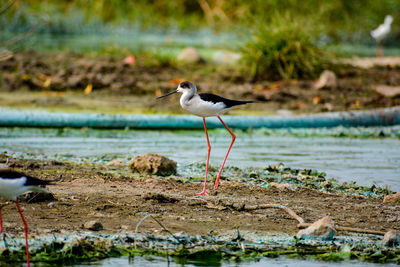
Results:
285 48
349 20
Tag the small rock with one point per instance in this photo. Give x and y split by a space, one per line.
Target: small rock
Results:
226 57
391 239
323 228
153 164
3 157
181 234
284 112
387 90
327 79
328 107
93 225
280 186
190 55
124 227
160 198
393 198
116 163
50 205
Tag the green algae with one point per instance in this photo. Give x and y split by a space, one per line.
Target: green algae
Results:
296 178
199 250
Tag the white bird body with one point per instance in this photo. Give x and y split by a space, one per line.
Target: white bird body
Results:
12 188
195 105
383 30
204 105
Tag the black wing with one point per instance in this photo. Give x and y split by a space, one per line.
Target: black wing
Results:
217 99
11 174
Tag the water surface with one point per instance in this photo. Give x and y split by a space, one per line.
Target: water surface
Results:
364 160
153 261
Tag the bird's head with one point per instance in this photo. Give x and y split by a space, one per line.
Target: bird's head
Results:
388 19
183 87
186 87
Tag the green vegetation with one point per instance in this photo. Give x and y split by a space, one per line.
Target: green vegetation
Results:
92 249
286 48
343 19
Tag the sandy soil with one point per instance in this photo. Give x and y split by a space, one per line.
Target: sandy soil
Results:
87 193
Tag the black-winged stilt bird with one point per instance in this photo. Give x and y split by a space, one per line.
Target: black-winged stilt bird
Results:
13 184
380 33
206 105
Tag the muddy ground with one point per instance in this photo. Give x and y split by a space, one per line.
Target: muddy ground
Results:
75 82
119 201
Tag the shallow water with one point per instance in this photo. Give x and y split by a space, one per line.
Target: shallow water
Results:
364 160
154 261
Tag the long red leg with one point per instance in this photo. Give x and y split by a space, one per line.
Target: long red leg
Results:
208 159
26 233
227 153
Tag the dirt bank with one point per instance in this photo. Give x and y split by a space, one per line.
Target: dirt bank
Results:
119 201
70 81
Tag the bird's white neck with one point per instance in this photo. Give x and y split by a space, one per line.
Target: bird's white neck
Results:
185 98
388 21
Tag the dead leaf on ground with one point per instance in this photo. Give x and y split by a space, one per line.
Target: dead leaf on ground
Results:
316 100
355 105
88 89
130 60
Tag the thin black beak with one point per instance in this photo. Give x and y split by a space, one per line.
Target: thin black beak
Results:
173 92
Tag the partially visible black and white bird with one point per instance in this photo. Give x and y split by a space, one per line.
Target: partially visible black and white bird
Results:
206 105
14 184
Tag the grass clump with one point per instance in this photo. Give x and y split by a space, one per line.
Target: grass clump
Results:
285 48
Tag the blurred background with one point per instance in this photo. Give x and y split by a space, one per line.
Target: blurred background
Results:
272 51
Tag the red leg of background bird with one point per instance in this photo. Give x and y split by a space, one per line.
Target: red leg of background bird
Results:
26 233
208 159
229 149
379 50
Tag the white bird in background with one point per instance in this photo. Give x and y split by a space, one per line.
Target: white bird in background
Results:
380 33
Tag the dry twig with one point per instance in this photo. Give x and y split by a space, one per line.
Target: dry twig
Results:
7 6
347 229
157 221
